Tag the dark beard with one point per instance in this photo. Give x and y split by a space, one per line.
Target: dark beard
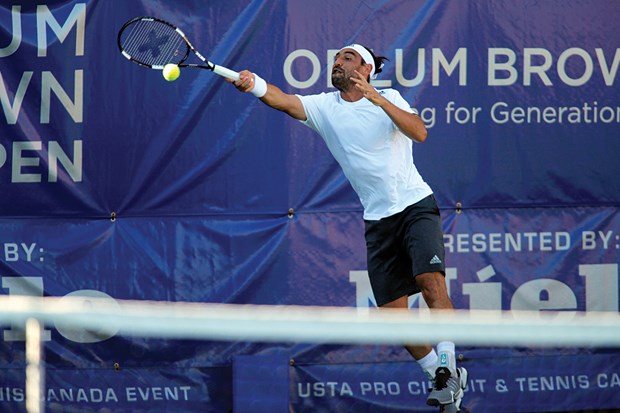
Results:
340 81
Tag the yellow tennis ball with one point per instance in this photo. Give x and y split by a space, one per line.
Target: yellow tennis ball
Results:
171 72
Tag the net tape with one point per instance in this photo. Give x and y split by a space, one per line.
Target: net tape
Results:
338 325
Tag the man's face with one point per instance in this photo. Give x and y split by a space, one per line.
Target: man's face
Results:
346 62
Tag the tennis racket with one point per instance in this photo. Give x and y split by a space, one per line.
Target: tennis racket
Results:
154 43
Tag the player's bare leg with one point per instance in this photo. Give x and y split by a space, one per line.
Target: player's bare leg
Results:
417 351
449 386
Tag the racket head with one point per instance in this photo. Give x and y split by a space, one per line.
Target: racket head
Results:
153 42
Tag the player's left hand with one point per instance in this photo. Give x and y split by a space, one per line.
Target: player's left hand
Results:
368 91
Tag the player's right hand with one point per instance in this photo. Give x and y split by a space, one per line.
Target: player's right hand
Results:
245 82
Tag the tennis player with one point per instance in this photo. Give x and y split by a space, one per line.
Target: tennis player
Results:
370 133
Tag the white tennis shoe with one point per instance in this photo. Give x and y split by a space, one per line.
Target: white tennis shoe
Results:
448 389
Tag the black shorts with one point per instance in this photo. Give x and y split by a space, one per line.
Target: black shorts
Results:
402 246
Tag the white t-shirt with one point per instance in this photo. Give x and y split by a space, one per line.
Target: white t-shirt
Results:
374 154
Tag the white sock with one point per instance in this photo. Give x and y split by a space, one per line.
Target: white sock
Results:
447 355
429 364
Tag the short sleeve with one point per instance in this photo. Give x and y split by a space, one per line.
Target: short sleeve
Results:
399 101
311 104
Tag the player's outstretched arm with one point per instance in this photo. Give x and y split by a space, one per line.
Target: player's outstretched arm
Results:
273 96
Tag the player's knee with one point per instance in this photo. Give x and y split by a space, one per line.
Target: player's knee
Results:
433 286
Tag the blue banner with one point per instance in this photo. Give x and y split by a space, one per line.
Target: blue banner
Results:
119 184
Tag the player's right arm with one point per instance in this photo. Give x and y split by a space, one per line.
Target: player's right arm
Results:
274 97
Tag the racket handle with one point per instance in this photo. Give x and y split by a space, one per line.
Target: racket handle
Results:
222 71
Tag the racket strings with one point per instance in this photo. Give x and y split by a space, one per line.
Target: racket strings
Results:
154 43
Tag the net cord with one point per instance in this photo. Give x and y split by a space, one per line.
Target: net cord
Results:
338 325
342 325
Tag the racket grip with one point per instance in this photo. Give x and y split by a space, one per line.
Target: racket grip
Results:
222 71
